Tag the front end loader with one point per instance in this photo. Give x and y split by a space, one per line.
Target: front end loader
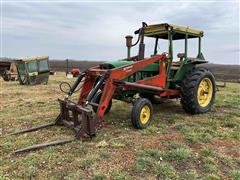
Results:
138 80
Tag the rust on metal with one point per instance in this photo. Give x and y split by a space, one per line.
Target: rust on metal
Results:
43 145
8 71
78 118
32 129
141 86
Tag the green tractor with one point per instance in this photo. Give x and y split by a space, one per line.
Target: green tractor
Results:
139 80
196 85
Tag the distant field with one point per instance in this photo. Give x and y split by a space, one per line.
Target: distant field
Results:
176 146
229 73
61 65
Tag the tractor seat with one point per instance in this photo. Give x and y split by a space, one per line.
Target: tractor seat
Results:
181 55
176 65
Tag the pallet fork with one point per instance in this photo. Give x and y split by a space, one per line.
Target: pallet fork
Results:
79 118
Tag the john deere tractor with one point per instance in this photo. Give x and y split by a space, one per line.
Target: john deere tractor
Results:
179 78
139 80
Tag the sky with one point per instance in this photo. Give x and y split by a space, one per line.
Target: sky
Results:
97 30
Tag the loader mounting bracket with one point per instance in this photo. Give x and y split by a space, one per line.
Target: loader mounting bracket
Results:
78 118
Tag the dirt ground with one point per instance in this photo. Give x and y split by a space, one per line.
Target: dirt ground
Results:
175 146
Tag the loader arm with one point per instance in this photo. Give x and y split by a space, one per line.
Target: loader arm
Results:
120 73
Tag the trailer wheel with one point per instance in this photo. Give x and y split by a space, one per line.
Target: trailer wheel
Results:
6 75
97 99
142 113
198 91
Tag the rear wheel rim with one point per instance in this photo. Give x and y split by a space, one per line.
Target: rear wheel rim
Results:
145 114
205 92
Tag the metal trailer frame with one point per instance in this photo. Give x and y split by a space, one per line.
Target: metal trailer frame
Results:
8 71
36 76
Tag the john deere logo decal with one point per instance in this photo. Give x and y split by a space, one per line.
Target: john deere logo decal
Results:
128 69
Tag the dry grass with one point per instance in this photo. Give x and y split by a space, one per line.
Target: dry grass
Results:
175 146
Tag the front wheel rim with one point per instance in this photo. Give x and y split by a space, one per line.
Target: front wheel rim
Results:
145 114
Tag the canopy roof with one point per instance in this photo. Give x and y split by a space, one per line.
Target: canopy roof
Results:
36 58
161 31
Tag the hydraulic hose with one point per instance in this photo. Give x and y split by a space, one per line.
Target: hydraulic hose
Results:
72 88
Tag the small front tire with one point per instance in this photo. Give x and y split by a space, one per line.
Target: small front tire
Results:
142 113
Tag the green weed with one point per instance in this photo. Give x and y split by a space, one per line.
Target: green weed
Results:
99 177
209 165
207 152
120 175
149 153
175 145
225 159
74 176
235 174
212 177
166 171
88 161
104 155
117 144
142 164
177 154
196 134
190 175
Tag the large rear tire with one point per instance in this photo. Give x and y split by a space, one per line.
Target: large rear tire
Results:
198 91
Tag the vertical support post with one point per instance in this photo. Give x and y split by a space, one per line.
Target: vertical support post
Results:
27 81
141 52
129 45
199 47
170 52
155 48
128 53
170 45
186 47
67 66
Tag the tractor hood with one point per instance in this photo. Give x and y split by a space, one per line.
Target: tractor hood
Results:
115 64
